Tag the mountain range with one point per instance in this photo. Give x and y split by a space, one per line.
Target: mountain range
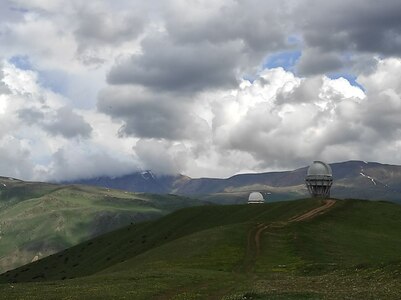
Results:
352 179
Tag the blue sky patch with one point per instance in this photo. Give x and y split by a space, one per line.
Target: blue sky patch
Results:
286 59
250 78
22 62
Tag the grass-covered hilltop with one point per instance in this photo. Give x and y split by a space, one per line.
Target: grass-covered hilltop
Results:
305 249
38 219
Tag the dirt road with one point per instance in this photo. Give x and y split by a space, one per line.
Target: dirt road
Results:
254 235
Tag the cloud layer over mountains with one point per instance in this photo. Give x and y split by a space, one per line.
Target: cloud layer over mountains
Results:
205 88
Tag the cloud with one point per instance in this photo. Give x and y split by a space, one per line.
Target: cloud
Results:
309 118
41 138
151 115
30 116
288 127
178 67
101 29
314 61
3 87
277 121
161 156
359 26
45 109
76 162
258 24
68 124
114 86
15 158
301 91
62 122
383 106
199 49
98 26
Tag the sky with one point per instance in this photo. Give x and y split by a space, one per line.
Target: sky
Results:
206 88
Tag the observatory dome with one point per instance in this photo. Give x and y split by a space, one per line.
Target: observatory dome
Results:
319 168
319 179
256 197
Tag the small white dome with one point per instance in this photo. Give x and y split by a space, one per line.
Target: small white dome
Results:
256 197
319 168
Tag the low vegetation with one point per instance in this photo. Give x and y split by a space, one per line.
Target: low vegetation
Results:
350 250
39 219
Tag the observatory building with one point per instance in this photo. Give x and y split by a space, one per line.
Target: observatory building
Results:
255 197
319 179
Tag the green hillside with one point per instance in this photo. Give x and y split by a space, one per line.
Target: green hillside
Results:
38 219
304 249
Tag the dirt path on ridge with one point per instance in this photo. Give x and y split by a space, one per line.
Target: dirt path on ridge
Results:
314 212
254 236
253 246
257 238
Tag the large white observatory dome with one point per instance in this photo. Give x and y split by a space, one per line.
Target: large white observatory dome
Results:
319 179
256 197
319 168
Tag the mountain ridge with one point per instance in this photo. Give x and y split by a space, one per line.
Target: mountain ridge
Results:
354 178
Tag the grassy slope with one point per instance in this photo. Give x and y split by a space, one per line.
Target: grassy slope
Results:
203 252
38 219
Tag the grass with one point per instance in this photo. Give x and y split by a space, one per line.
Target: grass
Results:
356 233
349 252
38 219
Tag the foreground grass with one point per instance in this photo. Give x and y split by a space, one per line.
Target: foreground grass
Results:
349 252
178 283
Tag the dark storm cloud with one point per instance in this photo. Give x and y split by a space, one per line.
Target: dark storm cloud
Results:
68 124
313 62
165 65
212 46
206 48
149 115
259 24
156 120
348 26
